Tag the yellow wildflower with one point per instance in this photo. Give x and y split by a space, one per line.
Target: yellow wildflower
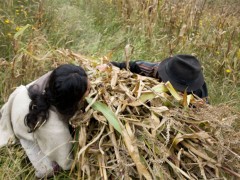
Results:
18 28
228 71
217 52
200 23
7 21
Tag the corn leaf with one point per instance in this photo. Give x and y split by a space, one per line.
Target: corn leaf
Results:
110 116
173 91
150 95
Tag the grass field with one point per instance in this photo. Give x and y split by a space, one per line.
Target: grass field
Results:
31 30
208 29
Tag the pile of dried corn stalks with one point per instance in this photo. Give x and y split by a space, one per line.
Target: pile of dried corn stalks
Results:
134 127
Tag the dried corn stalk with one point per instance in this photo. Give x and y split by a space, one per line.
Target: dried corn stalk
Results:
136 127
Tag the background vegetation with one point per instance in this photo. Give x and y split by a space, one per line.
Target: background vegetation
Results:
30 30
156 28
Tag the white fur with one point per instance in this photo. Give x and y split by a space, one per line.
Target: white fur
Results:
50 142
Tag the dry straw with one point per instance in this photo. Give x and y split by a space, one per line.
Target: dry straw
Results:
133 127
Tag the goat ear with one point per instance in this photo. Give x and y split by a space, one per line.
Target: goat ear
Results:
6 131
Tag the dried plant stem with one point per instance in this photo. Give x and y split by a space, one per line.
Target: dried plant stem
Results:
134 153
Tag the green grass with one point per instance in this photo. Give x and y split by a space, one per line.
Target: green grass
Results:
99 28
